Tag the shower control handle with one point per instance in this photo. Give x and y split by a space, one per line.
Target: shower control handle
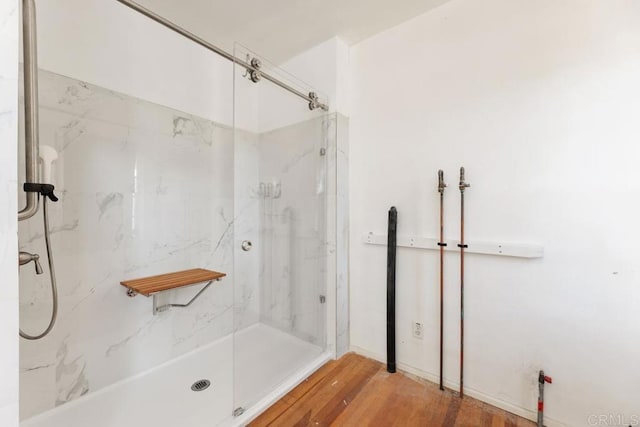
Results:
26 257
246 245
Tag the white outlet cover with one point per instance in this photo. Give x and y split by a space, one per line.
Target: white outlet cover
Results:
418 330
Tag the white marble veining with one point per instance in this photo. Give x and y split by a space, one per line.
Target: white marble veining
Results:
247 228
341 212
9 24
301 197
143 190
162 396
285 189
293 197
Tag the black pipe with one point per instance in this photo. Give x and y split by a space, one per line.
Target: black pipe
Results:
391 290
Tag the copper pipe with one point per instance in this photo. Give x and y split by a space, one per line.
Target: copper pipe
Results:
463 185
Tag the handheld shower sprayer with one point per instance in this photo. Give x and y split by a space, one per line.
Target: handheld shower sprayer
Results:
33 187
48 155
45 189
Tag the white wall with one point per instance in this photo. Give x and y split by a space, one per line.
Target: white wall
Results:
539 101
107 44
9 17
323 69
110 45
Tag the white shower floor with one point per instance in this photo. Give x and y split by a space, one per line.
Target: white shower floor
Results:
267 361
265 357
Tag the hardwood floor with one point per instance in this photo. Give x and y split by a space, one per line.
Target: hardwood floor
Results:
357 391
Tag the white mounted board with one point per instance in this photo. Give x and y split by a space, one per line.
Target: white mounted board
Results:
485 248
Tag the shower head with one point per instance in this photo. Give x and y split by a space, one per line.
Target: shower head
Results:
48 155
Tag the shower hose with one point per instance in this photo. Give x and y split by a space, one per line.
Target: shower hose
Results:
54 290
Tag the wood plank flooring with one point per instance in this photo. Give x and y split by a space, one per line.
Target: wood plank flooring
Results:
357 391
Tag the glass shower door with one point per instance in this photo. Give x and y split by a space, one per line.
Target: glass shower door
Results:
280 164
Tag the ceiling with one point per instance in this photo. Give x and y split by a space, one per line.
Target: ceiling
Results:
280 29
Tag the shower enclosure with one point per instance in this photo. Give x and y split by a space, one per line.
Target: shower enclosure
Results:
147 189
281 212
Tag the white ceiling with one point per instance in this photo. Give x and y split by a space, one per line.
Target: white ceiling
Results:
280 29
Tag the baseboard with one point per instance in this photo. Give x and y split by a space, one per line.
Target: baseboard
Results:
498 403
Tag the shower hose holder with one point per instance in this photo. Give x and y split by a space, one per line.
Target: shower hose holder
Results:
45 190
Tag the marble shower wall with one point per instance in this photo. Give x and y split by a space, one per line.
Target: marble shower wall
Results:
292 204
298 229
339 176
143 190
336 129
146 189
247 228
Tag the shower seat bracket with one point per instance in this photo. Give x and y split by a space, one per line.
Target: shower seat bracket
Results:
164 307
153 286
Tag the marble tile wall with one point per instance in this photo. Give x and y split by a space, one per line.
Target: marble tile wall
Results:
9 20
143 190
146 189
247 228
297 207
337 243
341 212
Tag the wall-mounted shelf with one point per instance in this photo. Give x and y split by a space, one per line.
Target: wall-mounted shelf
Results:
485 248
153 285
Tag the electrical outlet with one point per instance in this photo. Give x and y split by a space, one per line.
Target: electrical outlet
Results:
418 330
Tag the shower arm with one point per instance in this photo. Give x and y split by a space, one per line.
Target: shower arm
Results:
252 66
31 143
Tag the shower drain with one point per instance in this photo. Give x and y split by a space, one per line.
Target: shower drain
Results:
200 385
